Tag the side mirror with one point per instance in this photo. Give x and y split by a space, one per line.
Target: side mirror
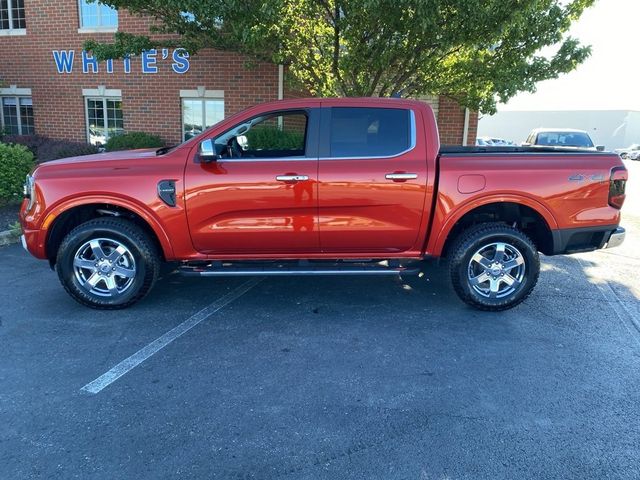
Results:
600 148
207 152
525 144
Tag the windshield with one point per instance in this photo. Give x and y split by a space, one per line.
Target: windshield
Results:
564 139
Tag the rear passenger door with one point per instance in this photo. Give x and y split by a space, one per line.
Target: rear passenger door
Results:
372 179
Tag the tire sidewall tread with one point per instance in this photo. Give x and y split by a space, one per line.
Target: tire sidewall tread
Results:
136 240
474 238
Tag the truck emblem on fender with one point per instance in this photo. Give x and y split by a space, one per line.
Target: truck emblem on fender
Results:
579 177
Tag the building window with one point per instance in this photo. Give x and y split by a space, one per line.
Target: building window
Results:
104 119
198 114
96 16
12 16
17 115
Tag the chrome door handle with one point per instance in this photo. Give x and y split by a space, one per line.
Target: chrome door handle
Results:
292 178
401 176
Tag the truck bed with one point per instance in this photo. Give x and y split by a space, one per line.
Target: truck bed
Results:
470 150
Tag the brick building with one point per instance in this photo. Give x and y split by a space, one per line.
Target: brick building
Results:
50 86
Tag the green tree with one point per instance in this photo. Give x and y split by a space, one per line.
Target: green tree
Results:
477 51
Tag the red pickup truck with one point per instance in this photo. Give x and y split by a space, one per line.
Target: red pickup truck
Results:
323 187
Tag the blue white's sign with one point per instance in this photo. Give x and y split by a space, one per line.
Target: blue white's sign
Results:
148 62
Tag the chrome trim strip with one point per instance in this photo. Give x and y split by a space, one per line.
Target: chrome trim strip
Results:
412 146
273 273
278 159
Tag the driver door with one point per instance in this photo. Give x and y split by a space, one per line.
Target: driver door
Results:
259 197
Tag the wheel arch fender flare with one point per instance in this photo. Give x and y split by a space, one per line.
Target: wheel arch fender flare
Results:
129 204
436 246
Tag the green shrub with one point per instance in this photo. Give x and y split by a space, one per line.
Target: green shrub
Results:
45 148
132 141
16 161
4 131
272 138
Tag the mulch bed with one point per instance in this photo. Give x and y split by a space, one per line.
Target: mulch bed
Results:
8 215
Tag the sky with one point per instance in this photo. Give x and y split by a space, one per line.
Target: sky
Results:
610 78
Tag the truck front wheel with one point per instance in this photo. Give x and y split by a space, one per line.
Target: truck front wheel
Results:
493 266
107 263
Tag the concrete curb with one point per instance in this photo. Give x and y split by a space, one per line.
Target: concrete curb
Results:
8 237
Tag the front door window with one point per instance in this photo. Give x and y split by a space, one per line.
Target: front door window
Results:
277 135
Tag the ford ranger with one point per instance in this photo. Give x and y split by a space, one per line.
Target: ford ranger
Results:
320 187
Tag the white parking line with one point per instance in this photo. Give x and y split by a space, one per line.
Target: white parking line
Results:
141 355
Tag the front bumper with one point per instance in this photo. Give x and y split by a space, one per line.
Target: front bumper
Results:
617 238
33 242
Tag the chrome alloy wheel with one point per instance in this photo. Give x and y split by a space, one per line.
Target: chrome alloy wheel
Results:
104 267
496 270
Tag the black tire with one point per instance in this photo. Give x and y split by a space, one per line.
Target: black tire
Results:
498 282
107 263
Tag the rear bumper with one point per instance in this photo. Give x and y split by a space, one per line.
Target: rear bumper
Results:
617 238
586 239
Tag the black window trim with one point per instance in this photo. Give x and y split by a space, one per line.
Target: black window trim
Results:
325 143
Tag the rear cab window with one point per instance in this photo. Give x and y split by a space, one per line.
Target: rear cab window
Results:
363 132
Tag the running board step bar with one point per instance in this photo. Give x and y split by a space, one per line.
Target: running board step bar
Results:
279 269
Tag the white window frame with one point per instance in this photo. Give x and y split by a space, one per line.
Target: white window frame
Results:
98 29
11 30
100 93
202 94
17 93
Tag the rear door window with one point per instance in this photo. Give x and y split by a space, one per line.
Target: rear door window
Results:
369 132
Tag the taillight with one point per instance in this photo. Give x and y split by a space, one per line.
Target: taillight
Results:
617 184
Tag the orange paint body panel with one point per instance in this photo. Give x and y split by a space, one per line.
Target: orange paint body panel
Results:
540 181
397 206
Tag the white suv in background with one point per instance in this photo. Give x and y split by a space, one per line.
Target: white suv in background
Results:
561 137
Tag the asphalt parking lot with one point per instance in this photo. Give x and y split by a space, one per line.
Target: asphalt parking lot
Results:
308 378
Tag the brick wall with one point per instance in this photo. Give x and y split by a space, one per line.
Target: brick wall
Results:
451 123
151 102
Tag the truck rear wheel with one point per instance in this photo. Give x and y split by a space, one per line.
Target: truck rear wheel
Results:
107 263
493 266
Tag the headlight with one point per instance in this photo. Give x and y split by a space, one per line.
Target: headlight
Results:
29 192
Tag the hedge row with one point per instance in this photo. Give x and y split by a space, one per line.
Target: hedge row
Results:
45 149
132 141
273 138
20 153
16 161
